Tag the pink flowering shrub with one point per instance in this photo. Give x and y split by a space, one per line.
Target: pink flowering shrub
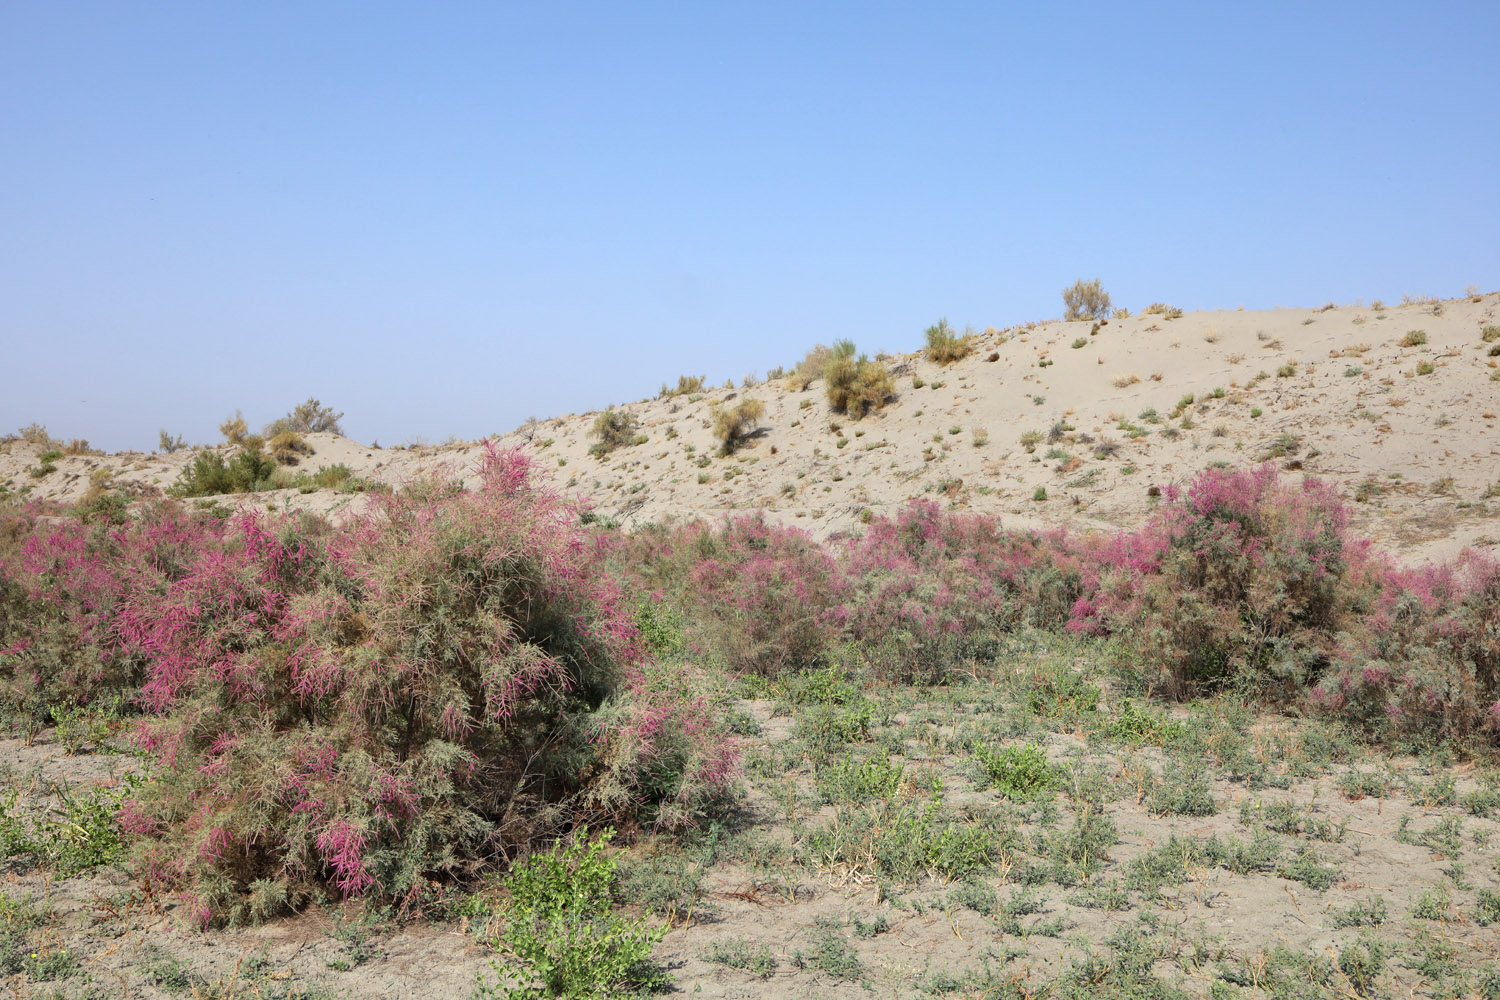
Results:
1243 579
1239 579
761 598
365 708
930 590
63 581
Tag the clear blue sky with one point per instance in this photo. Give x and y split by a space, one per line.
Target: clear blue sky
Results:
442 218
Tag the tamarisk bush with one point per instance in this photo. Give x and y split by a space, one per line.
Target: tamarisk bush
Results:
412 696
1243 580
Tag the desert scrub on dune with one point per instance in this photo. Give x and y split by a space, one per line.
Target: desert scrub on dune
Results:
686 386
944 346
1084 300
856 385
309 417
288 447
208 474
613 429
1163 310
732 424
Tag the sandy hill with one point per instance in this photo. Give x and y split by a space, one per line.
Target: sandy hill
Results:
1396 404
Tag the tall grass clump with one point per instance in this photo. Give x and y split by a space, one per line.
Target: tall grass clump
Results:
1085 300
686 386
856 385
944 346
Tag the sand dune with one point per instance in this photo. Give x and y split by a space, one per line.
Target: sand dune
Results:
1331 392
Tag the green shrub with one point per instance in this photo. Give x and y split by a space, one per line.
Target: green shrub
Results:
1085 300
1020 772
1413 338
168 444
1425 368
944 346
561 927
613 429
208 474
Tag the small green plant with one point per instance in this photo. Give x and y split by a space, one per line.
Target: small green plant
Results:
1255 411
1080 343
1413 338
757 959
1287 370
831 954
1030 439
1020 772
1433 904
561 928
1365 913
169 444
1425 368
1039 494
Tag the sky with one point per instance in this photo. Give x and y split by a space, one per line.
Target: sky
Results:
444 218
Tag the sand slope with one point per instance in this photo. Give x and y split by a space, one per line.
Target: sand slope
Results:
1417 451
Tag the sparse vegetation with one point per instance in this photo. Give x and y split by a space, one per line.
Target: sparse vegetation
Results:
732 424
613 429
944 346
309 417
1084 752
1085 300
856 385
687 385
